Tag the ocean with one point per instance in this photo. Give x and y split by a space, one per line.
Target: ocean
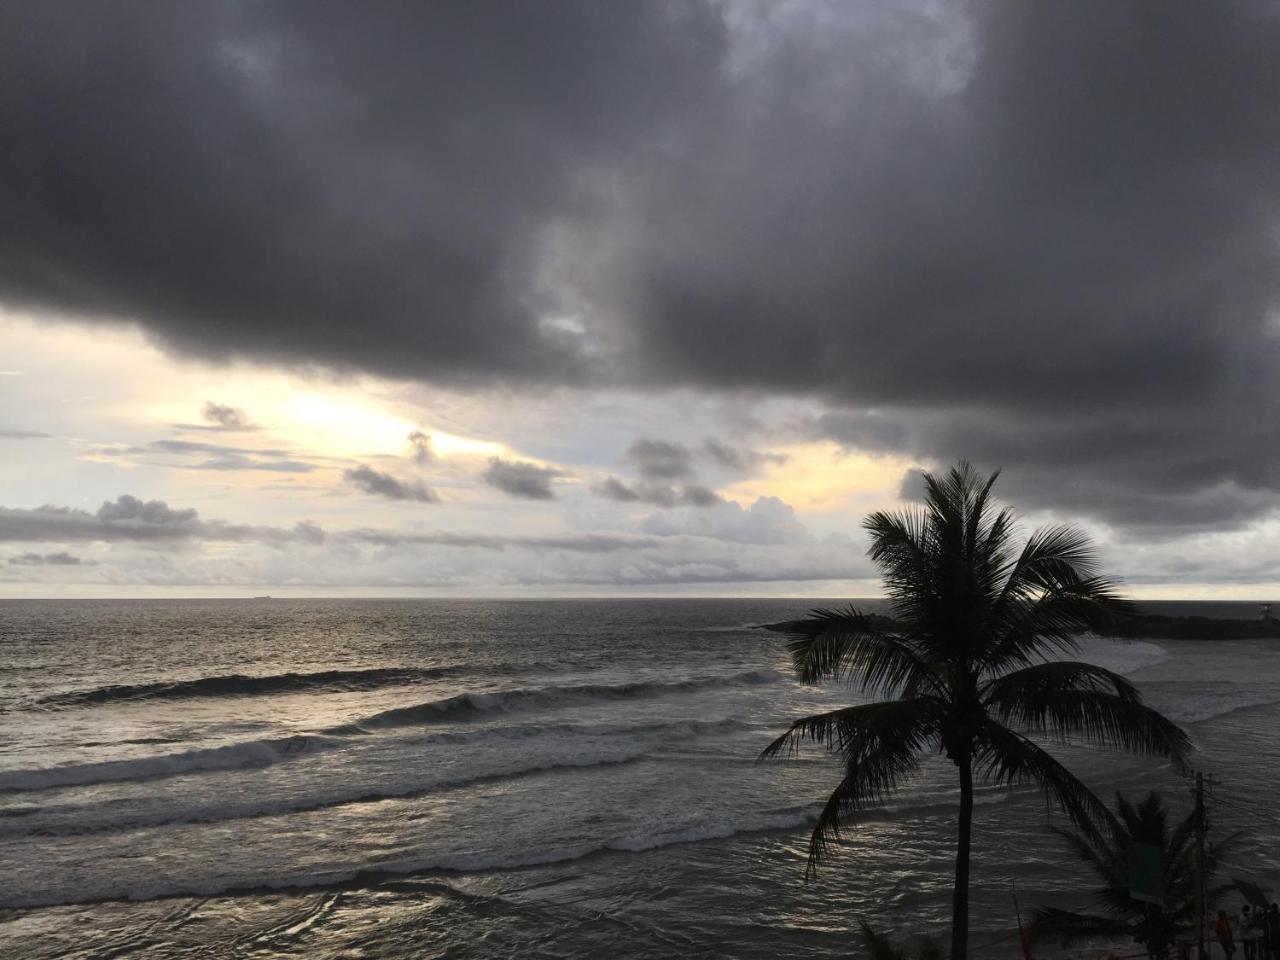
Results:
554 779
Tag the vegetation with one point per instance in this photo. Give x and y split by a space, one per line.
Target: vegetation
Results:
966 671
1106 849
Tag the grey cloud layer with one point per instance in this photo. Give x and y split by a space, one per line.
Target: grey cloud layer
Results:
1043 233
761 543
130 519
59 559
657 494
197 455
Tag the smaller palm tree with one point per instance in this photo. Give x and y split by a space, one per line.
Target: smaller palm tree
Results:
1106 849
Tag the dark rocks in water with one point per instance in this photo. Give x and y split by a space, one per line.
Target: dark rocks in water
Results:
1140 627
1150 626
886 624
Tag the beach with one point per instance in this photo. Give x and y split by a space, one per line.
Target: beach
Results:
387 778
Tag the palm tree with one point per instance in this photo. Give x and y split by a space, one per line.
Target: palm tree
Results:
964 666
1106 850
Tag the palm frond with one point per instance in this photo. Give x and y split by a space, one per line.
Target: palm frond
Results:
1029 626
880 742
844 644
1120 720
1042 682
1008 758
976 524
856 731
901 547
992 556
869 779
1050 555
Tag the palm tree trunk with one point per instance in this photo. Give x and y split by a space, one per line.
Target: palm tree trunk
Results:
960 896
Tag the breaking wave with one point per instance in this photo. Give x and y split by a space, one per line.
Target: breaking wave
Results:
470 705
235 756
241 685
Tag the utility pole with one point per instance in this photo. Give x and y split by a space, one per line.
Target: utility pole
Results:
1202 828
1200 891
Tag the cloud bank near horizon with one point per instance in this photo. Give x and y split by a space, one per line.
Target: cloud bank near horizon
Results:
150 543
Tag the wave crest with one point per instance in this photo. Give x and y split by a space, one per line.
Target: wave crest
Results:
241 685
231 757
466 706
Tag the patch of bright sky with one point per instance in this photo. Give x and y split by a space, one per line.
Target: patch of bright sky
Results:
104 395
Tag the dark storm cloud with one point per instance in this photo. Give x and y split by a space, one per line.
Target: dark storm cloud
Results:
1002 223
525 481
365 187
1130 468
660 459
385 485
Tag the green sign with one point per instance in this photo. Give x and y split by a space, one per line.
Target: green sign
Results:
1146 878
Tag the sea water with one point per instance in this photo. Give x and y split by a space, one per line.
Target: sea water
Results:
569 779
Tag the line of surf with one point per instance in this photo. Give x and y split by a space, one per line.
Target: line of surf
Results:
254 753
242 685
261 753
602 750
467 706
692 832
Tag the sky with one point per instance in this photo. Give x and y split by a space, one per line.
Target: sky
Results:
658 298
